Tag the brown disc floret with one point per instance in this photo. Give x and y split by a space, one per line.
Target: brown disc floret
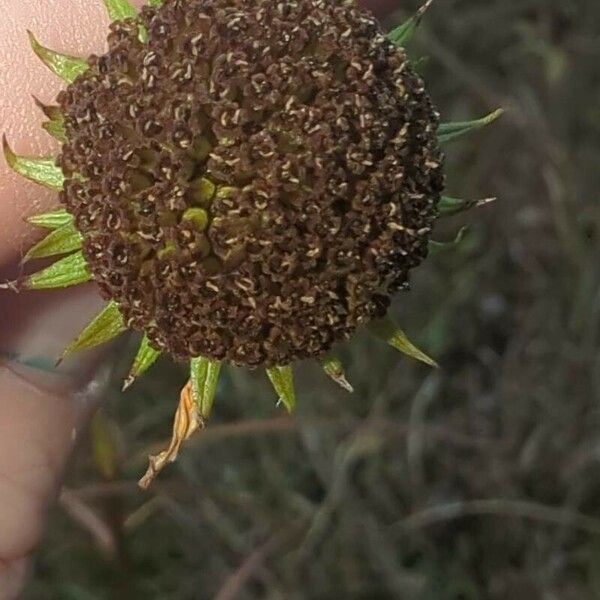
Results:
252 178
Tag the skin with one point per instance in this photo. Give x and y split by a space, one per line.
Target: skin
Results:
41 413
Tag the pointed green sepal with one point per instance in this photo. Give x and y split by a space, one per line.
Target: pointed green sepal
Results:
119 10
437 247
69 271
451 131
404 33
63 240
52 220
282 379
55 126
334 369
448 206
419 64
106 326
204 375
43 171
66 67
386 330
144 359
56 129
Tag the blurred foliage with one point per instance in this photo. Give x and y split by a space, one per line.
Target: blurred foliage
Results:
479 481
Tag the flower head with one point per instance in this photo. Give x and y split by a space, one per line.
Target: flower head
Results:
252 181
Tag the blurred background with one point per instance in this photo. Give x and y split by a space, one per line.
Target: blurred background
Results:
477 481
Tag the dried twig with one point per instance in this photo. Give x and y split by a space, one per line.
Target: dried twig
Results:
252 564
498 507
85 515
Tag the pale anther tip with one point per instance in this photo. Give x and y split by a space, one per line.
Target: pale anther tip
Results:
13 286
128 383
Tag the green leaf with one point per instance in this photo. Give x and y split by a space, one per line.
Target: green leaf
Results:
155 3
452 131
282 379
119 10
386 330
52 220
404 33
66 67
56 124
44 171
451 206
144 359
333 367
204 375
63 240
437 247
69 271
104 446
106 326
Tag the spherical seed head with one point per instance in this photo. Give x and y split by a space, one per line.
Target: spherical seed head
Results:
254 180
